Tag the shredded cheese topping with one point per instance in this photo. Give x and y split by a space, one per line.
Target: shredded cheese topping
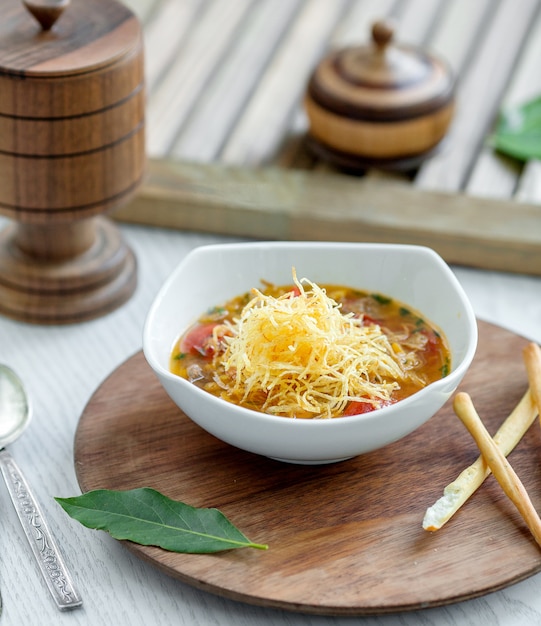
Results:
305 358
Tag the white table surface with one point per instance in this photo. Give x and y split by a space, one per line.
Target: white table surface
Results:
62 367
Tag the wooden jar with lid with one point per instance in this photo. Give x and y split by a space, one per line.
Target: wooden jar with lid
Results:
72 110
382 105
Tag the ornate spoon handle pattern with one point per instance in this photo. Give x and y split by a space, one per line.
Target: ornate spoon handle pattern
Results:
39 537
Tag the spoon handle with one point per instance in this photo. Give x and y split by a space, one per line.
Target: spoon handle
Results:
39 537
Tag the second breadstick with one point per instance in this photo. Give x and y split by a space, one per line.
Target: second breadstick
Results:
502 470
532 360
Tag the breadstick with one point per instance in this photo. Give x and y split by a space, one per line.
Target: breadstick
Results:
457 493
532 360
502 470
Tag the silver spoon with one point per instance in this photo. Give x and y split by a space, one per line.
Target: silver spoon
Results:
15 413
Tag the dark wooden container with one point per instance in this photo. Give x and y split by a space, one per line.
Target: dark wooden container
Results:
72 147
382 105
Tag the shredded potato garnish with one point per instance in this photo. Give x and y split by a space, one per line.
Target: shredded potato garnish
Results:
305 358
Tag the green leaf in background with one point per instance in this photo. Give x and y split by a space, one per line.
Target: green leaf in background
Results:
518 132
147 517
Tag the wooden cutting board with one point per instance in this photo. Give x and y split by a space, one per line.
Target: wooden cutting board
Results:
346 538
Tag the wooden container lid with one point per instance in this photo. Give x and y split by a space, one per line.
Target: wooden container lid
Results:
34 41
382 102
72 146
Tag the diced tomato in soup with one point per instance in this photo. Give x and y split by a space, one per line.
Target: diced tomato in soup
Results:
197 340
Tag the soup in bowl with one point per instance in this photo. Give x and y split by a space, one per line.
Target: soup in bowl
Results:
403 298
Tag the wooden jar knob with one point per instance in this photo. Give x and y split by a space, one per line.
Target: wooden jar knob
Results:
46 12
71 149
379 105
382 34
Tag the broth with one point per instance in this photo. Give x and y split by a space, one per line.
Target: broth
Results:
412 347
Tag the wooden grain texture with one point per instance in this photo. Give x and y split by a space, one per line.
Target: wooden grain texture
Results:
177 93
262 120
62 289
233 82
273 203
380 100
72 147
243 107
259 133
73 129
46 14
68 49
483 84
493 175
346 538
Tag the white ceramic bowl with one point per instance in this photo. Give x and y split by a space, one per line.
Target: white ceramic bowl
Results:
210 275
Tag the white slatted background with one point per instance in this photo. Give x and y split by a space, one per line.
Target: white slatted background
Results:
226 79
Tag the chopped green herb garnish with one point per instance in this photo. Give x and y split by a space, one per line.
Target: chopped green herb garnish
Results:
445 369
179 356
216 310
381 299
404 312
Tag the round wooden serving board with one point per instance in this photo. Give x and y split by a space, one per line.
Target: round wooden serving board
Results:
345 538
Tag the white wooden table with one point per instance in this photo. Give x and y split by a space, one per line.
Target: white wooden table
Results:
63 366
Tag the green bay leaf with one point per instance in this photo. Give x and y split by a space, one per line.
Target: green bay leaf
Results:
518 131
147 517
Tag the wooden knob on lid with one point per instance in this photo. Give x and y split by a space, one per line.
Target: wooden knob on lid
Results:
71 149
380 105
382 33
47 11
